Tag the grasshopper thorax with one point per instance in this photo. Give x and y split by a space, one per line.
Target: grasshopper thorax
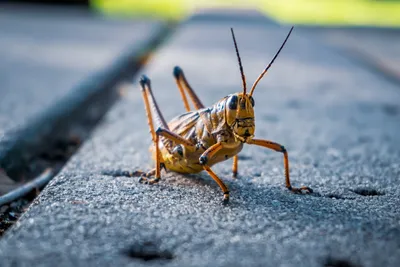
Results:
240 115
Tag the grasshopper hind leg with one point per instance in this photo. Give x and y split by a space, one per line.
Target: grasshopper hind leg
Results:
162 134
184 88
150 103
145 177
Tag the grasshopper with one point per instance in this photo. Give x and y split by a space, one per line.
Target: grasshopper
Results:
200 138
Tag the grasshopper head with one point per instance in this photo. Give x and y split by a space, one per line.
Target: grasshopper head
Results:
239 106
240 115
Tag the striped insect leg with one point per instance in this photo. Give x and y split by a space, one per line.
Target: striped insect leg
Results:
151 105
279 148
235 166
204 158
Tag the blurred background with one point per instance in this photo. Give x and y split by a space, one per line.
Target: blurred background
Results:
366 30
380 13
376 13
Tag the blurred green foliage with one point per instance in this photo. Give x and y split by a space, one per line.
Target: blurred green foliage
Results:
384 13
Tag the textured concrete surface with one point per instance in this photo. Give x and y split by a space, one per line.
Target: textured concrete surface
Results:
49 61
373 47
338 120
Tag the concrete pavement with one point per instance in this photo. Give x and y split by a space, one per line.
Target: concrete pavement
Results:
338 121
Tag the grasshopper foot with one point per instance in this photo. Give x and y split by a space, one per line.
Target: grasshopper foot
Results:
133 174
226 198
146 180
300 189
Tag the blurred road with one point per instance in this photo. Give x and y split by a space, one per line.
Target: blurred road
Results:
52 59
338 120
375 48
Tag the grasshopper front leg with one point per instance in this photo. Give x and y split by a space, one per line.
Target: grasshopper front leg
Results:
162 134
279 148
204 158
235 166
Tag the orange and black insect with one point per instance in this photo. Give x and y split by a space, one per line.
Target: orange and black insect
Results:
200 138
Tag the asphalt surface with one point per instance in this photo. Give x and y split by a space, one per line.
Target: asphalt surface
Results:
338 121
52 59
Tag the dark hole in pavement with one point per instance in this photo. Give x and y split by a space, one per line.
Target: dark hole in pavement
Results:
257 174
331 262
332 196
148 251
367 192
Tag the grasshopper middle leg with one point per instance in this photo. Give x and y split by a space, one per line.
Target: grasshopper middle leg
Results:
279 148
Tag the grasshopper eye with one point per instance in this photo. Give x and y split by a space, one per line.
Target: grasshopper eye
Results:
252 101
232 102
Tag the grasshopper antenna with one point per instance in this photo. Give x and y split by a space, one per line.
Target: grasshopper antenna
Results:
270 64
240 62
